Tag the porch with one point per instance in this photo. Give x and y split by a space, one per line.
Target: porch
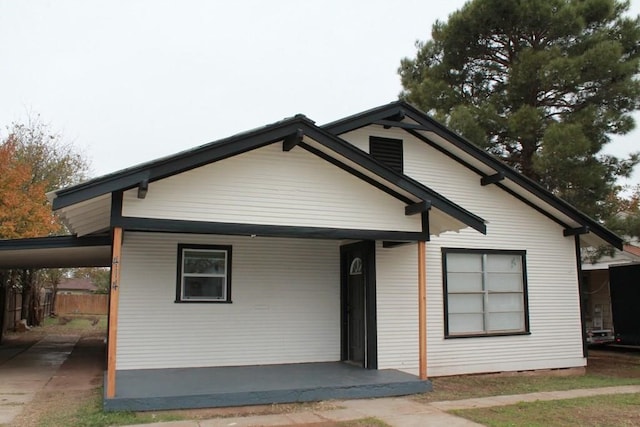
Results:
160 389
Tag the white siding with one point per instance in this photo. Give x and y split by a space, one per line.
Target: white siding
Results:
286 305
269 186
555 340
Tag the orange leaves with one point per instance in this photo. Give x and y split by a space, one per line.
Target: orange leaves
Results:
24 210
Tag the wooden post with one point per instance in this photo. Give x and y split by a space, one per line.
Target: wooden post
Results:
114 294
422 308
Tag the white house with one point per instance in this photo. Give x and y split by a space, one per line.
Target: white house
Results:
382 240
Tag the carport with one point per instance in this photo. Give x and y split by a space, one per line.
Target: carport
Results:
52 252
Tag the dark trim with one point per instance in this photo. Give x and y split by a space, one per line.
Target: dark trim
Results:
387 124
143 188
575 231
424 218
417 208
224 228
181 248
355 173
292 140
491 179
368 249
54 242
116 207
387 244
380 113
172 165
525 291
238 144
407 183
581 289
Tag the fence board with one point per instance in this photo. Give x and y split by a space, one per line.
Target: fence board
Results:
81 304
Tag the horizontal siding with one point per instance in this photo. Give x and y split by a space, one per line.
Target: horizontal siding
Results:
269 186
554 314
286 305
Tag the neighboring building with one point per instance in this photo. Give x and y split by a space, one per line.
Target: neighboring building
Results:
76 286
597 293
295 244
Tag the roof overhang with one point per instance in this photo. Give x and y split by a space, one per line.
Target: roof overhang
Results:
489 169
56 252
295 133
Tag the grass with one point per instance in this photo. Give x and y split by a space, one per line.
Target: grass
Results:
466 387
75 323
90 414
608 410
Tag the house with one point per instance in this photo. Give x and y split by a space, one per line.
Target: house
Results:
596 293
383 240
76 286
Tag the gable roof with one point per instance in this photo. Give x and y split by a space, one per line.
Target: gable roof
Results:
295 131
490 169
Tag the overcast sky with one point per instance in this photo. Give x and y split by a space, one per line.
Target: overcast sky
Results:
130 81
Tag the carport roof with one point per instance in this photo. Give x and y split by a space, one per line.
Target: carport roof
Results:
56 252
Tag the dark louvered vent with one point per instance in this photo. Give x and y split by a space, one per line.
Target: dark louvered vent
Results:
387 151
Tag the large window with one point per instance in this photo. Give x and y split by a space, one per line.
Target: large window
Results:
485 292
204 273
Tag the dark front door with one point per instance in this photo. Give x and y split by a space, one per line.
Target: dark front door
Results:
358 304
355 310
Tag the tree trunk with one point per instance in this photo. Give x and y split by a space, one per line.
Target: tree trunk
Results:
26 295
4 285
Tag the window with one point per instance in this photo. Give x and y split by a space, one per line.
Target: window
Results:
204 273
387 151
485 292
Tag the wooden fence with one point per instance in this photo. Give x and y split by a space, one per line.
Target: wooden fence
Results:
81 304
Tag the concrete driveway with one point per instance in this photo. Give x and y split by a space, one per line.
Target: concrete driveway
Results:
56 362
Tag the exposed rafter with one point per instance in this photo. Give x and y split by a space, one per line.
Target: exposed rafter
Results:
576 231
417 208
492 179
391 123
292 140
143 188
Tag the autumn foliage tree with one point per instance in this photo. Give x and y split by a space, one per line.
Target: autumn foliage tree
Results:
33 161
24 210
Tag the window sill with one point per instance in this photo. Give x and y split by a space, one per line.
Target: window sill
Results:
203 302
496 334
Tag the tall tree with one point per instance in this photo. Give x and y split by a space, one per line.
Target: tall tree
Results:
542 84
33 160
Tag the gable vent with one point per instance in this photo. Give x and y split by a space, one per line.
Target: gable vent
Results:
387 151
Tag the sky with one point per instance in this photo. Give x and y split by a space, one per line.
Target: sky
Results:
130 81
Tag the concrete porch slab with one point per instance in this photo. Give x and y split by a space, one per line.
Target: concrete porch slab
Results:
158 389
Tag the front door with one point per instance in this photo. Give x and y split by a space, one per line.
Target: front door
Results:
358 304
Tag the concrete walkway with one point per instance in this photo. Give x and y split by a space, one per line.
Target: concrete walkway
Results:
25 371
396 411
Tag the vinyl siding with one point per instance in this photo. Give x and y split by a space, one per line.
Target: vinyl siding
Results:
554 314
286 305
269 186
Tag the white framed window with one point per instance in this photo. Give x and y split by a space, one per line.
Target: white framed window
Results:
204 273
485 292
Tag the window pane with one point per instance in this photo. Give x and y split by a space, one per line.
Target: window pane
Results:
505 321
204 262
464 262
504 263
464 282
504 282
465 323
505 302
204 288
465 303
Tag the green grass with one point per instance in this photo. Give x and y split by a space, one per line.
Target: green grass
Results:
90 414
466 387
608 410
76 323
364 422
